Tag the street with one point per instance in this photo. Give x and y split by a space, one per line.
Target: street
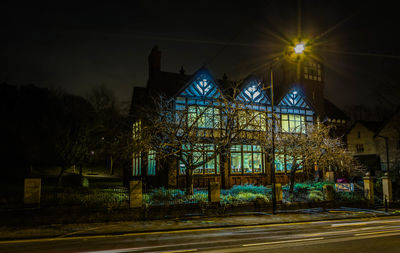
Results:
348 235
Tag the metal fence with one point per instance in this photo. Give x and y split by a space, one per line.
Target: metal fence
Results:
168 197
118 197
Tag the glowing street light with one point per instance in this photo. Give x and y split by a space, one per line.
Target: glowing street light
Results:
299 48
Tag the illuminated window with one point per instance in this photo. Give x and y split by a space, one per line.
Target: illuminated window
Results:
151 163
284 163
252 120
312 71
203 156
236 159
294 112
279 163
246 159
136 164
203 117
292 123
252 93
289 163
202 86
136 129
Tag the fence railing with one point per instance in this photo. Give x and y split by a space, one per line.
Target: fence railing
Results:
118 197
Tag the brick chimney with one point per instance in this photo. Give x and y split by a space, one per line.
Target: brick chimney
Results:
154 62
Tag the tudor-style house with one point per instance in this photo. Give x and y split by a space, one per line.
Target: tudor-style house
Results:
297 103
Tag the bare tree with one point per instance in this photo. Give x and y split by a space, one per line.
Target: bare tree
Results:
314 148
197 133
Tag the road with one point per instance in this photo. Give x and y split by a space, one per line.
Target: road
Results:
355 235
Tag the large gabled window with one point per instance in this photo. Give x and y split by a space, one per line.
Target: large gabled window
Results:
293 123
195 102
254 102
201 86
294 113
252 120
203 116
252 93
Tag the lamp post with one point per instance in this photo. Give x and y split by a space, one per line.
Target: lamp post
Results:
273 145
299 50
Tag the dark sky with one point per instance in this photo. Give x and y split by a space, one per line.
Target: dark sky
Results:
76 45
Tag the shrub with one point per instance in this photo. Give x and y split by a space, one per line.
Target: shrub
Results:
199 196
348 196
309 186
316 195
162 195
247 188
239 194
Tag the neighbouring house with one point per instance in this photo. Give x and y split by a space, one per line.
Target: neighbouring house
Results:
376 144
298 100
387 139
361 141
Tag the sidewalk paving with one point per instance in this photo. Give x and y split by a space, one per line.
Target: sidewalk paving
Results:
244 219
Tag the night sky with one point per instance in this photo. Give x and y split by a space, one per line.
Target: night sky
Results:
78 46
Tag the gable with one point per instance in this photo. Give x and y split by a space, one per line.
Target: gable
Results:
294 98
360 128
253 93
202 85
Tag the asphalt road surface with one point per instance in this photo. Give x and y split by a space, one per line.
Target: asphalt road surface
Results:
357 235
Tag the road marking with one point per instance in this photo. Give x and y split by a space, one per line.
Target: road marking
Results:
364 223
349 224
150 233
177 251
185 231
279 242
379 232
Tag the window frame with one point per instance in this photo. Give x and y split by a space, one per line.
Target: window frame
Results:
285 164
151 163
203 153
242 152
137 164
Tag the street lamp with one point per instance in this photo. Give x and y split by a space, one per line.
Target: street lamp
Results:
299 51
299 48
272 172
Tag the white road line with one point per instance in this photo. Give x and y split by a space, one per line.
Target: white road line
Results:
279 242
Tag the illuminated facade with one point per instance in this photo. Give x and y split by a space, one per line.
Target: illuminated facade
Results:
297 104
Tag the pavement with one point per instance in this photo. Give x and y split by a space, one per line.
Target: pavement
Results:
19 232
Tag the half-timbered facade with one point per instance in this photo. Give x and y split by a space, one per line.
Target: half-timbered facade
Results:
296 106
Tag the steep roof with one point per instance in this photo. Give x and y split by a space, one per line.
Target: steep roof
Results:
168 83
333 112
373 126
388 120
139 97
